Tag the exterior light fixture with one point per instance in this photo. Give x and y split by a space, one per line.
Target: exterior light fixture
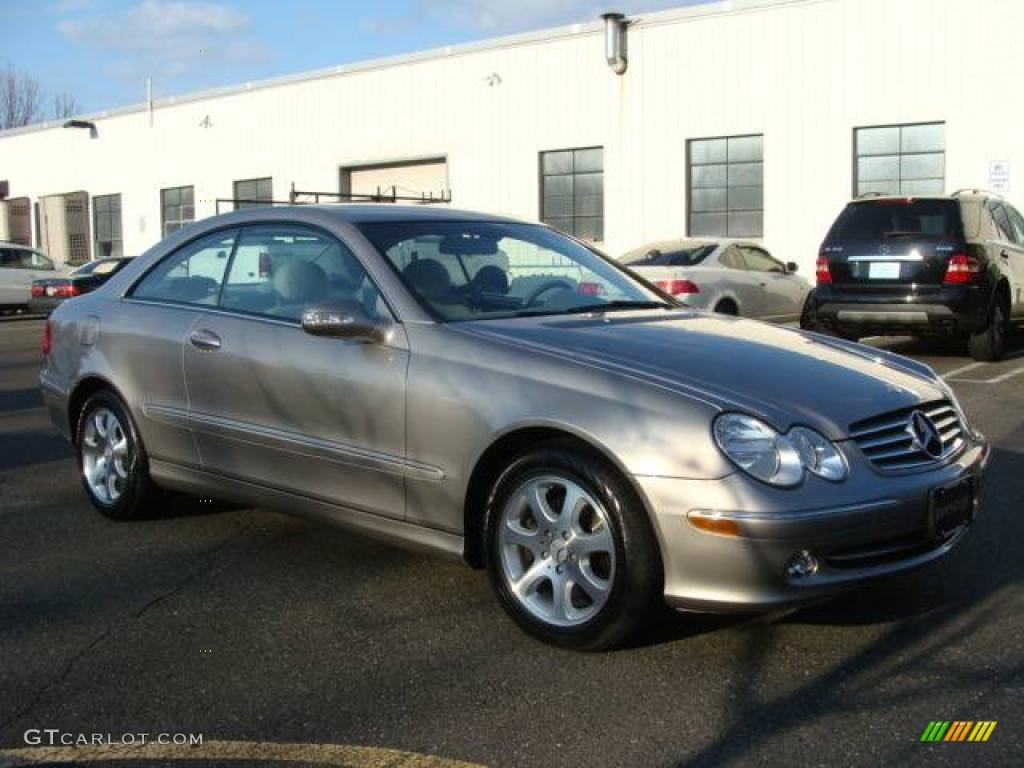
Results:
91 126
615 41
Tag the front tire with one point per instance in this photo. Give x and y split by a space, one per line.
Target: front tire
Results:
570 550
989 345
112 461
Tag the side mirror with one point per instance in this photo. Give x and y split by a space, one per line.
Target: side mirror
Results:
791 267
344 320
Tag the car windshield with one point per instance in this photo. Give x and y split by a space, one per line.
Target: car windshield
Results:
470 270
892 218
670 253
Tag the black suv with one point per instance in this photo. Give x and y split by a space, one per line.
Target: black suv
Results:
950 266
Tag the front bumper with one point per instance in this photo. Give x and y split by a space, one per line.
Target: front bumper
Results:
868 526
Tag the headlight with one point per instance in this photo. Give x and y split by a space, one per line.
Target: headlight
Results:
817 454
777 459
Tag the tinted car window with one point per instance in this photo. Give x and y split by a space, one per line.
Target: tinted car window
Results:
668 254
277 271
759 261
10 258
887 219
35 260
732 258
1017 222
1002 222
191 275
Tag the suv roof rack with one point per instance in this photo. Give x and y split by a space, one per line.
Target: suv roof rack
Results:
976 191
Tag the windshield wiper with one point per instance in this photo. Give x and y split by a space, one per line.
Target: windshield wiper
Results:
605 306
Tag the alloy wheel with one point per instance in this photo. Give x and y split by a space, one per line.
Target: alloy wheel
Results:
557 551
105 456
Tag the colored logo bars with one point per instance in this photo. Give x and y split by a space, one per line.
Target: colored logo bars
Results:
958 730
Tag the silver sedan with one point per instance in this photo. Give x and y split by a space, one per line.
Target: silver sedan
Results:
734 277
496 392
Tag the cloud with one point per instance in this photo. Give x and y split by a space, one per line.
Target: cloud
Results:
169 39
496 17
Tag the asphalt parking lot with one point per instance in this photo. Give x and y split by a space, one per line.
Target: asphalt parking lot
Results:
254 628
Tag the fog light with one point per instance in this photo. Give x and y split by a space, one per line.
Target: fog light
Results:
801 565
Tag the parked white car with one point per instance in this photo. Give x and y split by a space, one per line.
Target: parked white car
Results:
734 277
19 266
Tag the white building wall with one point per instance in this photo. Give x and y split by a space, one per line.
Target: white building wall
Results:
804 73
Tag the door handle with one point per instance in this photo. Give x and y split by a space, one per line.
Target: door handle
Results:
207 341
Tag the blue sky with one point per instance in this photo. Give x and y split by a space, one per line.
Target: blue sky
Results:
101 51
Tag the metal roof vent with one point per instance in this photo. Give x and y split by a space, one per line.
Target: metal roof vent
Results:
615 41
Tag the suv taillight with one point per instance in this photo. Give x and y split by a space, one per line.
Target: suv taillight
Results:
962 269
822 271
47 339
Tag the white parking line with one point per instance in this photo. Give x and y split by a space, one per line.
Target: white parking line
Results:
994 380
963 369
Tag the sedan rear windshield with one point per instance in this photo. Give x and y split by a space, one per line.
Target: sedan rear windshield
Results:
668 254
897 218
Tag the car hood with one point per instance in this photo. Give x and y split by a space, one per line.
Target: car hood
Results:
783 375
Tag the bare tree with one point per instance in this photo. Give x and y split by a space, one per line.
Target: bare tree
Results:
65 105
20 99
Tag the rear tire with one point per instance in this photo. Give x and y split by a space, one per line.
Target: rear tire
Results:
989 345
112 461
589 541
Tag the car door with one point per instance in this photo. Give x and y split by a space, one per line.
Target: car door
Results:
273 405
740 281
11 287
147 333
1013 260
780 294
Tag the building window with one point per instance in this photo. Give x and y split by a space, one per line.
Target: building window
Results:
254 193
900 159
106 215
572 191
726 186
177 208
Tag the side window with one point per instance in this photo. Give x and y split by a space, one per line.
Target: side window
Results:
760 261
731 258
36 260
191 275
1002 222
279 269
10 259
1016 221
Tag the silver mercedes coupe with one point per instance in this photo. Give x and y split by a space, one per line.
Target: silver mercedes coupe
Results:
500 393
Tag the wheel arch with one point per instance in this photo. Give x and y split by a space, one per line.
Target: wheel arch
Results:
85 388
728 299
495 457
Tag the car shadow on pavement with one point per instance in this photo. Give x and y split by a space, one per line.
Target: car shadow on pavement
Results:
927 620
939 346
20 399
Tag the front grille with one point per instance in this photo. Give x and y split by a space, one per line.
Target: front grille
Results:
887 444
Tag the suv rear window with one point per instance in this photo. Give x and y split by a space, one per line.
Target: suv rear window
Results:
888 219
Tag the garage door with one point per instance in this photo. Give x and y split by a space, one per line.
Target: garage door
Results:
423 178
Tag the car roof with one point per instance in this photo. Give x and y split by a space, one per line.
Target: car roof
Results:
360 212
18 246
